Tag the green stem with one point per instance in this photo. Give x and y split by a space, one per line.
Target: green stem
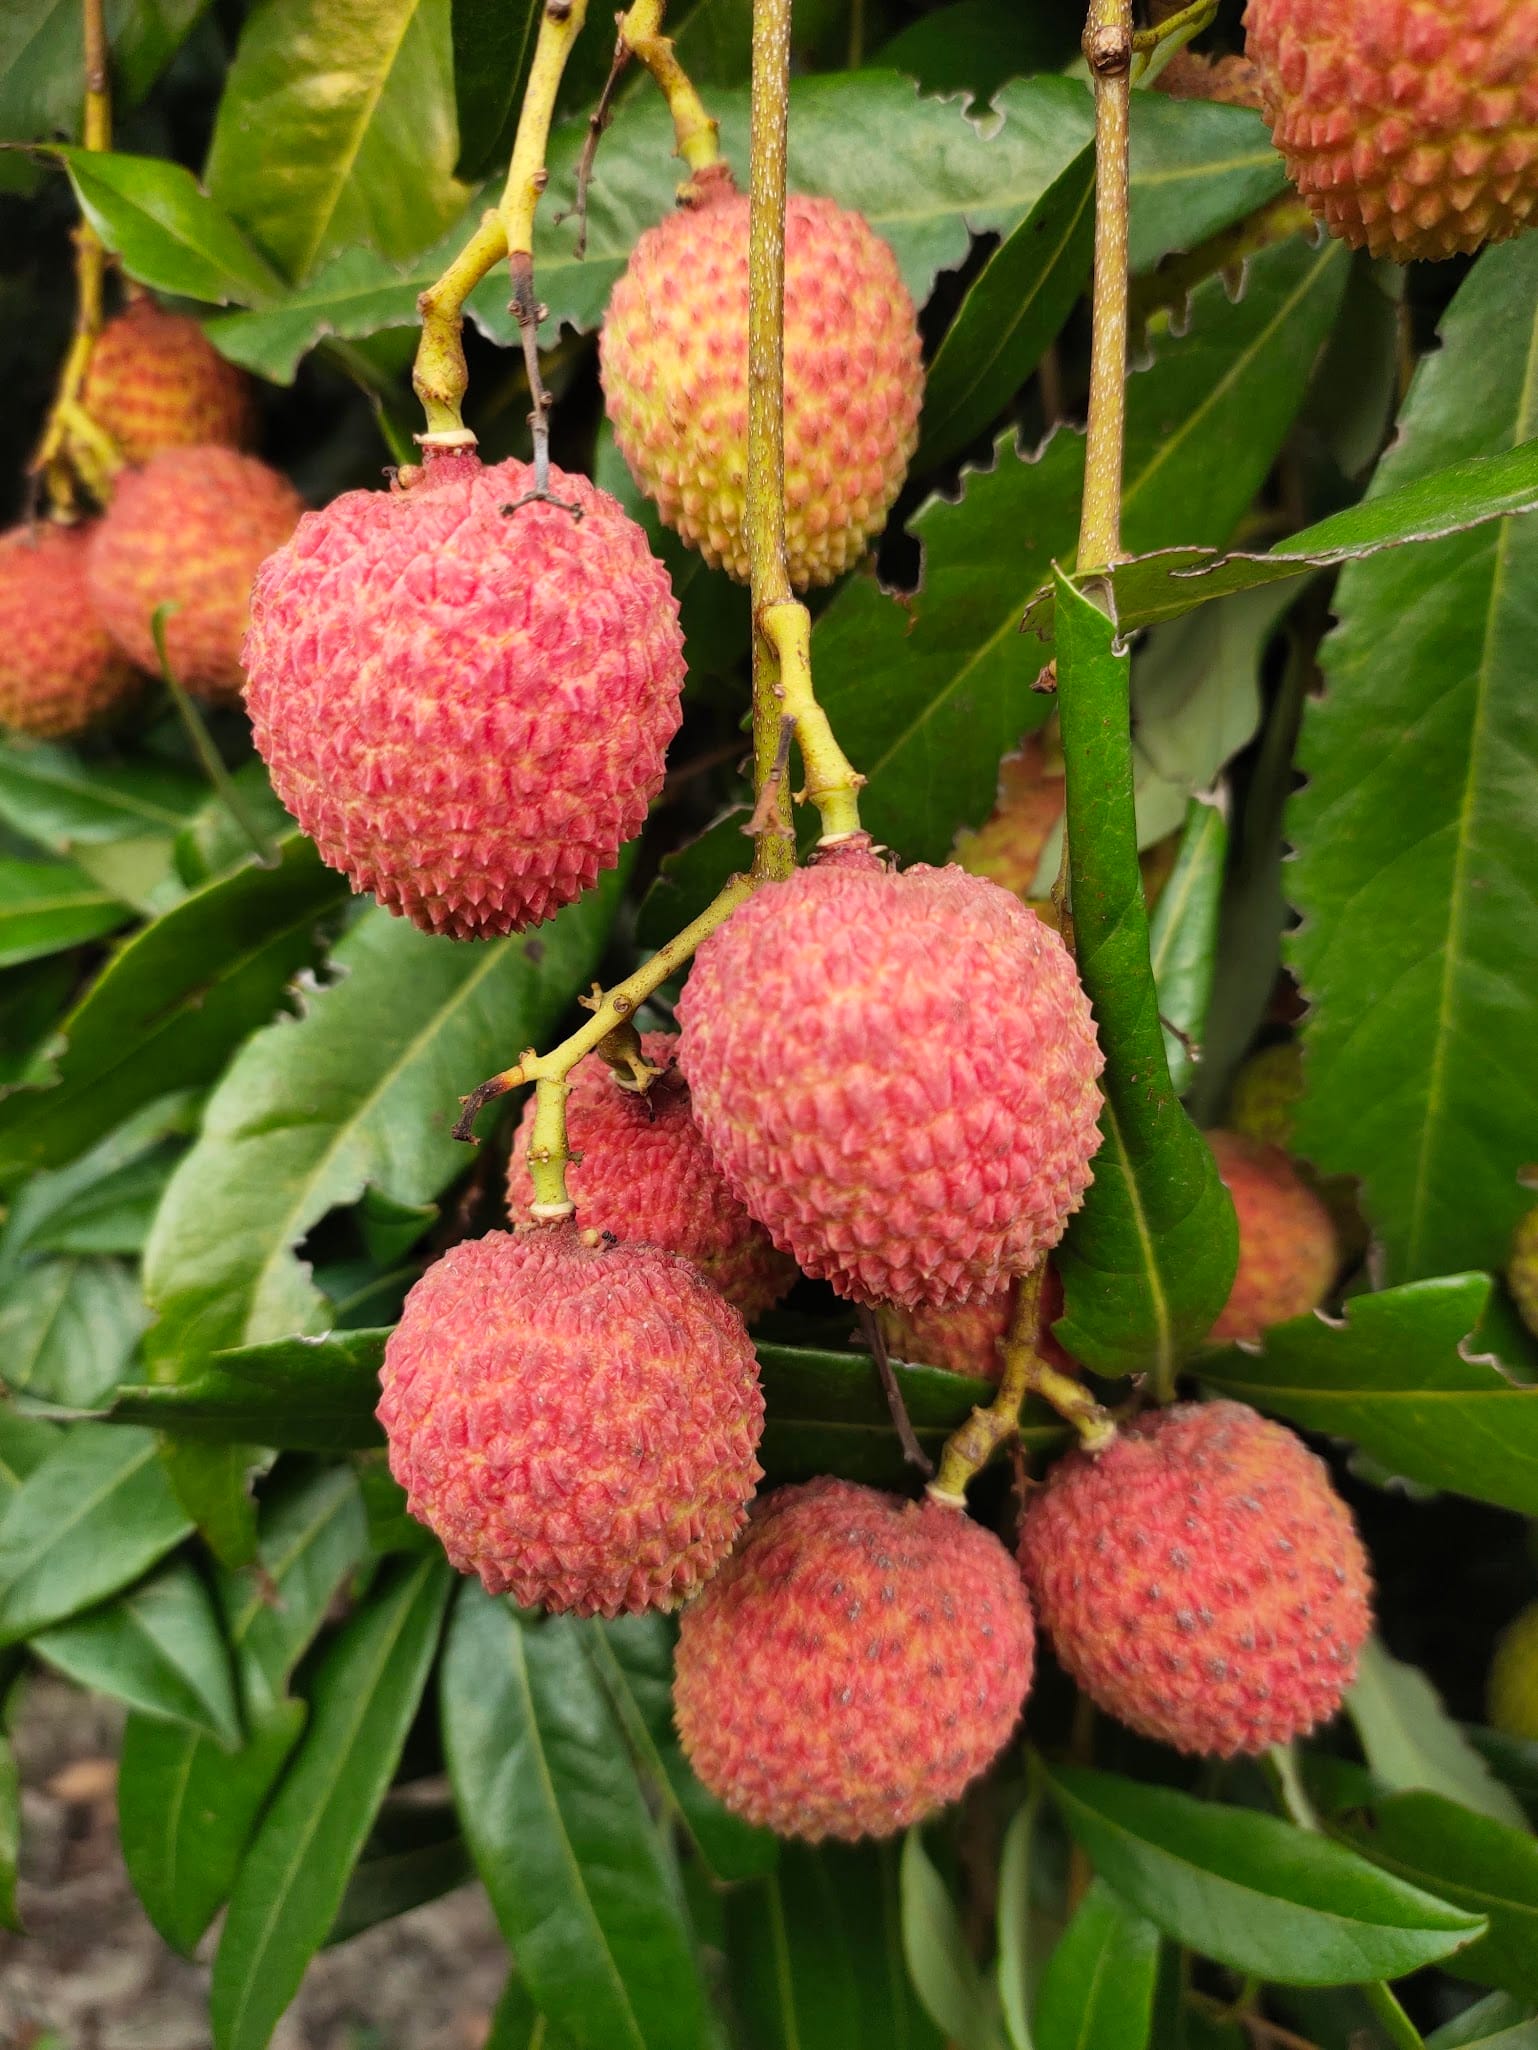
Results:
1397 2025
203 746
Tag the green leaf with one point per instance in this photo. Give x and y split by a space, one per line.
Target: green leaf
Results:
955 677
68 1329
518 2023
414 1854
816 1954
1098 1989
1484 1866
1011 315
493 44
1495 2023
42 55
943 1970
292 1879
89 1520
633 1656
1412 1742
975 45
1148 1262
171 1005
167 230
581 1881
362 1090
213 1485
46 906
1251 1891
1018 1967
113 1215
1397 1374
1452 501
336 127
187 1806
25 1442
55 798
297 1394
1183 936
827 1414
1417 861
157 1648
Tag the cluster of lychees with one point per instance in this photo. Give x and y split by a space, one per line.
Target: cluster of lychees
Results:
189 517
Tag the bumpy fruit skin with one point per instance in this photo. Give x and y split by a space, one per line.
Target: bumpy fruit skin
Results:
896 1074
646 1174
189 530
575 1421
1514 1677
855 1665
1288 1251
1522 1270
1263 1102
1201 1580
59 671
673 354
156 381
1409 126
466 709
966 1339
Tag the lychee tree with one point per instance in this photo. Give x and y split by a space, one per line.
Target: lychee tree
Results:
862 1328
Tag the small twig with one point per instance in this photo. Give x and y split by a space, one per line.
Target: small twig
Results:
913 1451
1192 1047
766 812
597 122
203 746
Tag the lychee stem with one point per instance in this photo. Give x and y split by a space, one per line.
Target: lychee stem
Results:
71 444
1108 50
1177 27
696 135
548 1154
970 1447
439 376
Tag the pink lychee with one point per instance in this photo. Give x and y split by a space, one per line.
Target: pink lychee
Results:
1288 1252
59 671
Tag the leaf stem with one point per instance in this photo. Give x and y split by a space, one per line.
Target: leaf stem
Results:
203 747
970 1447
1108 51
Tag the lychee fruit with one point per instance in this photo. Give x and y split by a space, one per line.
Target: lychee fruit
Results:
464 700
968 1337
189 530
1263 1103
1513 1686
640 1170
1522 1270
575 1420
1201 1580
896 1074
156 381
1409 126
59 671
1009 845
855 1665
673 354
1288 1252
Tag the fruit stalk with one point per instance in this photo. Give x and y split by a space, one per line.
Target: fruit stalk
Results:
970 1447
1108 51
695 133
782 664
439 376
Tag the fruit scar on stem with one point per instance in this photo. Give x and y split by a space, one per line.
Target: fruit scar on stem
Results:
970 1447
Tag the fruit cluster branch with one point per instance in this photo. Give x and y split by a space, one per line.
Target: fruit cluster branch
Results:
1108 51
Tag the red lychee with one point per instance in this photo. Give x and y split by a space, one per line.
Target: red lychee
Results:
640 1170
1409 126
467 706
673 353
59 671
189 530
966 1339
156 381
896 1074
1288 1253
575 1420
856 1663
1201 1579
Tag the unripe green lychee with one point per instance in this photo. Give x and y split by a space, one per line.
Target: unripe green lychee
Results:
575 1420
1263 1103
156 381
673 353
966 1339
896 1073
1513 1683
1201 1579
640 1170
1522 1270
1288 1252
467 706
189 530
855 1664
59 671
1409 126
